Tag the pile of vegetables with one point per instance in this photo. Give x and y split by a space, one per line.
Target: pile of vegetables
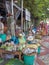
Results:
13 47
21 47
8 46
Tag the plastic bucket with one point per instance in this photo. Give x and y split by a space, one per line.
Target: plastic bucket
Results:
29 60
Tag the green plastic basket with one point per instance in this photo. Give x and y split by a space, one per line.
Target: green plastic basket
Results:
29 60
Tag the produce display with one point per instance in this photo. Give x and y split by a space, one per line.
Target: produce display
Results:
21 47
9 46
28 51
31 46
12 47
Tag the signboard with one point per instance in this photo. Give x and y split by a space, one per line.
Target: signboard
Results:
27 15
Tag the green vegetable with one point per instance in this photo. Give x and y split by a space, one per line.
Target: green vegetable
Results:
3 46
15 62
9 48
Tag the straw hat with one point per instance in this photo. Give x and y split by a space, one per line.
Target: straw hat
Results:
20 35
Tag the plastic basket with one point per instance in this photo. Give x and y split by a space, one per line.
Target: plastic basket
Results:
29 59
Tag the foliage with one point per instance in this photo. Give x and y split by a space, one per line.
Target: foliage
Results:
15 62
37 7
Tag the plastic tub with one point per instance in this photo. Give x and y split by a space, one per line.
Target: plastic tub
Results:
29 59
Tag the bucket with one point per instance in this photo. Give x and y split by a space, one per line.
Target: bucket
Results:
29 59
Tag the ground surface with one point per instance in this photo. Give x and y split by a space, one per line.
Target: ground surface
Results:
43 58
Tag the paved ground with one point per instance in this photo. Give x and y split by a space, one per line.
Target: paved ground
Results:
43 58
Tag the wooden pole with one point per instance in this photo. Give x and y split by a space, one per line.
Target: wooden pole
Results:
22 14
12 8
12 20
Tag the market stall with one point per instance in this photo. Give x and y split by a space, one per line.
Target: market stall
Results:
3 52
29 51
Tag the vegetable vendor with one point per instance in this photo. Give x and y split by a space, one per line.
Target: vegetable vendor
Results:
22 40
30 37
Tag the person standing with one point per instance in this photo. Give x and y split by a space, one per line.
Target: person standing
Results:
1 27
2 35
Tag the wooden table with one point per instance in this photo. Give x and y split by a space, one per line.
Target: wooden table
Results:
2 51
